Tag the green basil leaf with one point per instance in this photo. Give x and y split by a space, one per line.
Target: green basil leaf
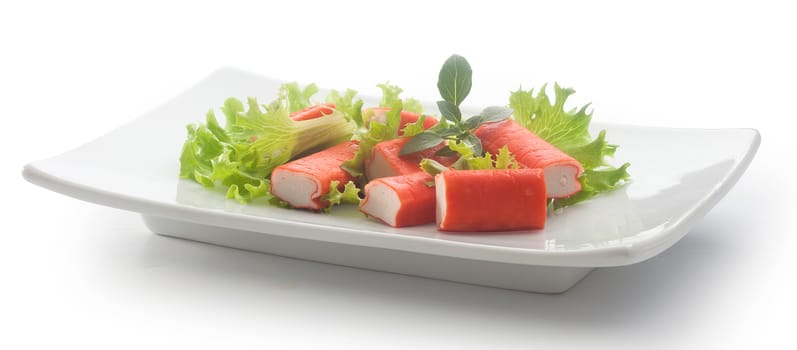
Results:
473 122
474 143
495 114
450 111
454 81
420 142
440 126
445 152
448 132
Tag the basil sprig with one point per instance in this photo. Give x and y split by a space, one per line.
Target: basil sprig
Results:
454 83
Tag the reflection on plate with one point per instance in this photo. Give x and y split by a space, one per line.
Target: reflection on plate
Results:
673 185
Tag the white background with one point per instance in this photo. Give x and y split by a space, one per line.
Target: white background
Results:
77 275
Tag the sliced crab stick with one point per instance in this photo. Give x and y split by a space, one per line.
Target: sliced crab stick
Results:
490 200
313 112
385 160
531 151
304 181
400 201
380 113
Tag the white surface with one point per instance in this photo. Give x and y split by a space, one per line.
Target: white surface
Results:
82 275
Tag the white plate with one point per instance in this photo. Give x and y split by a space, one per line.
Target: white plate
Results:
678 175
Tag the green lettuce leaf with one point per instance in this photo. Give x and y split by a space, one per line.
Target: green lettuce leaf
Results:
413 105
550 121
416 128
568 130
296 98
468 161
207 159
390 95
505 160
241 155
350 195
346 103
595 182
249 191
276 138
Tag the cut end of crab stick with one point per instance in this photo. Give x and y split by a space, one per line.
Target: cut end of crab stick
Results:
381 202
561 180
400 201
490 200
385 160
300 190
531 151
304 181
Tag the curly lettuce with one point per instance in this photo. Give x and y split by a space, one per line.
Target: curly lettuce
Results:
568 130
469 161
412 129
296 98
256 139
350 195
345 102
390 96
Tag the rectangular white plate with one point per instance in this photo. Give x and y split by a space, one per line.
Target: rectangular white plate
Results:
678 176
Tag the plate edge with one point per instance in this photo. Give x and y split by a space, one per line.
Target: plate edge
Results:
645 249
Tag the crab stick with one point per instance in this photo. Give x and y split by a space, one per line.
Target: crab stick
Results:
385 160
407 117
313 112
490 200
400 201
531 151
304 181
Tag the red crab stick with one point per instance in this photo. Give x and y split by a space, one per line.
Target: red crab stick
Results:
531 151
400 201
313 112
490 200
385 160
380 113
302 182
